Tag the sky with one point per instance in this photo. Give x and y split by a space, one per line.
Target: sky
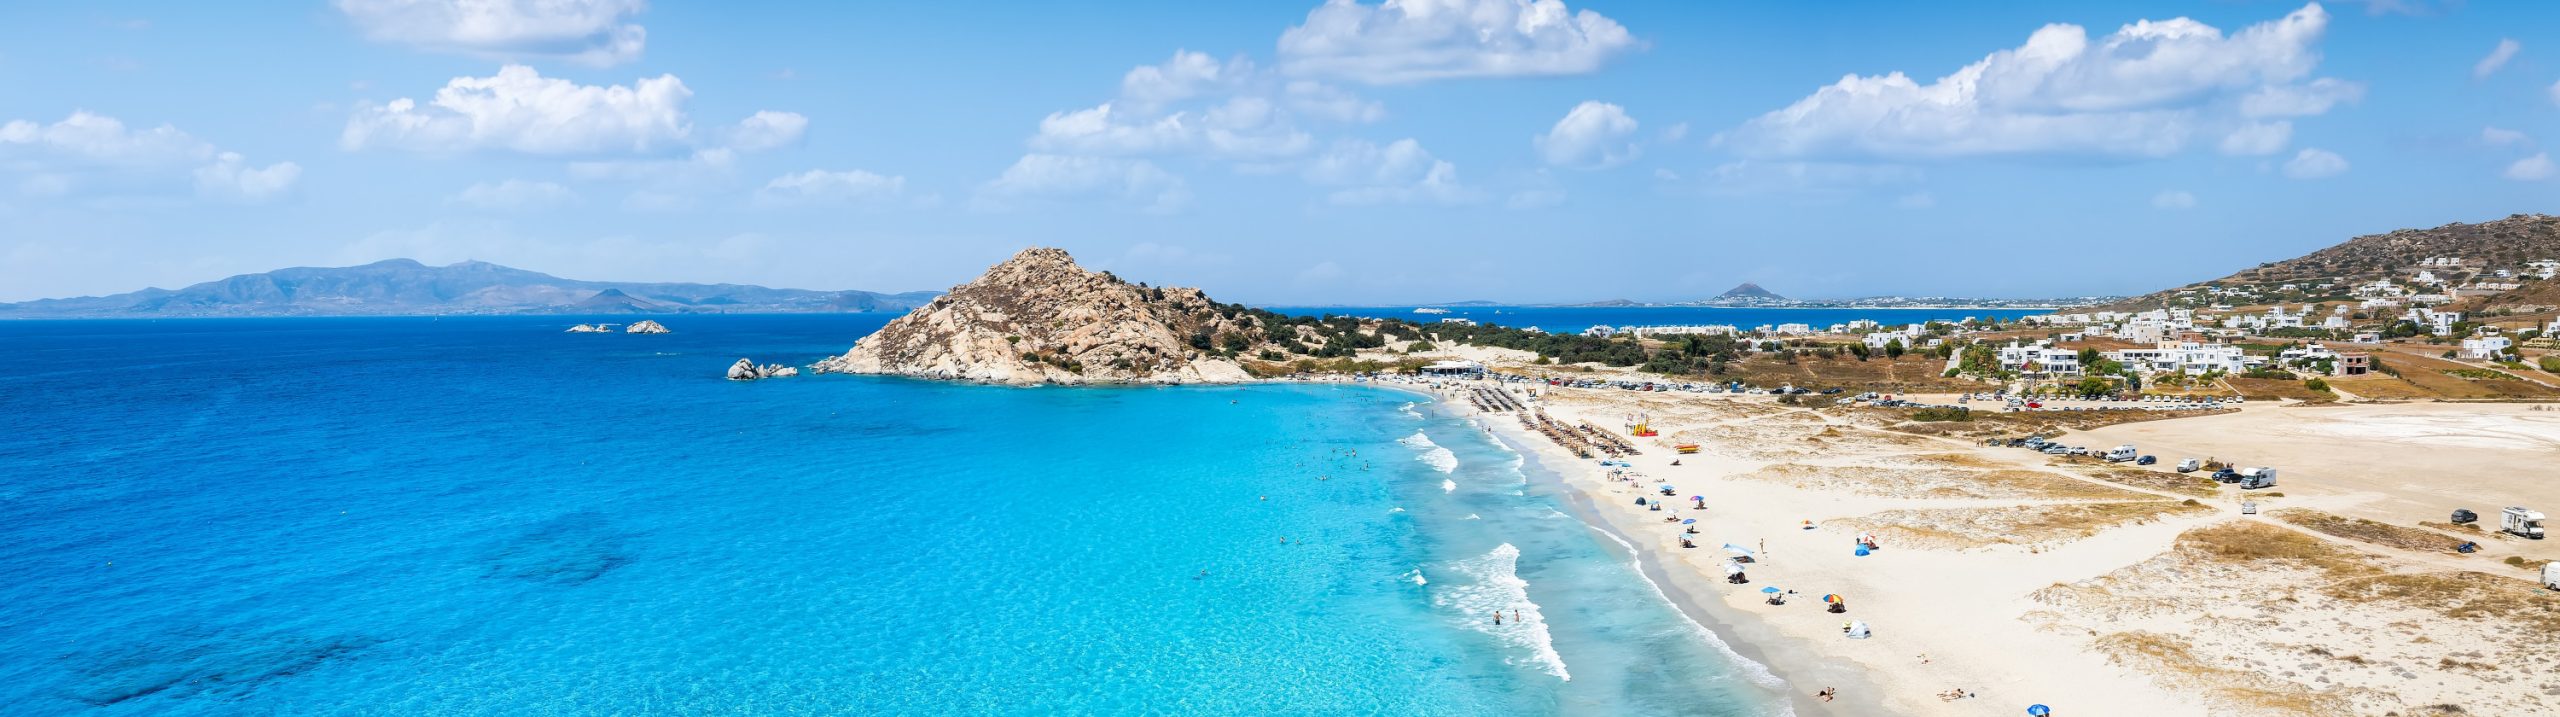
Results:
1301 152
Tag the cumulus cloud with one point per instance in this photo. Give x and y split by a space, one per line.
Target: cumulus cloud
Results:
1051 176
513 194
1591 136
2258 138
2497 59
1401 172
520 110
230 177
589 32
1401 41
88 150
2149 89
818 186
1194 104
2315 163
2173 199
2531 169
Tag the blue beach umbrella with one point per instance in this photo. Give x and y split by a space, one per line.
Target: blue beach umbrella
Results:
1770 589
2039 710
1688 521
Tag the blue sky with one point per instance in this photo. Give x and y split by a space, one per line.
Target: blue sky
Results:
1271 152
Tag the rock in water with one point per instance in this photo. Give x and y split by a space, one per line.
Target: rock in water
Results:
1038 318
646 327
747 370
589 329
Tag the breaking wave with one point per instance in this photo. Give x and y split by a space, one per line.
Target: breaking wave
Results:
1439 458
1497 586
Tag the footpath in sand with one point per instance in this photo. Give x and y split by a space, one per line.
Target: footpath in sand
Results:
2018 579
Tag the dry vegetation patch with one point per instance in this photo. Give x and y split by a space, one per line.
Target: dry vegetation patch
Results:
1938 482
2377 533
2033 526
2165 481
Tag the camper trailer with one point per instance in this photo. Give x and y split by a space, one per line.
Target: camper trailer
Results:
2551 575
2123 453
2261 477
2521 523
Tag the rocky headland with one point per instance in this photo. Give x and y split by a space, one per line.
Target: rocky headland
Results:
1038 318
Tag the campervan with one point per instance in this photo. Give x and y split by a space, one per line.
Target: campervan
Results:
2123 453
2258 478
2189 465
2521 523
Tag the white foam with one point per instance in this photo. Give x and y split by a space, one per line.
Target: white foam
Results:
1397 509
1439 458
1407 409
1416 577
1448 486
1752 670
1497 586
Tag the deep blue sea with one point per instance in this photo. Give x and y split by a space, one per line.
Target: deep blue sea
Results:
487 516
1573 319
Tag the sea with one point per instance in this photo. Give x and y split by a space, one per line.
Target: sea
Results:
1573 319
489 516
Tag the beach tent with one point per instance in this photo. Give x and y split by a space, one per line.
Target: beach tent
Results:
1858 630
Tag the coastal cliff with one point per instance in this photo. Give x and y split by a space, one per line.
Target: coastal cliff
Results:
1039 318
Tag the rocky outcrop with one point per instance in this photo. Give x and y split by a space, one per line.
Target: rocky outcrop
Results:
747 370
647 327
1038 318
591 329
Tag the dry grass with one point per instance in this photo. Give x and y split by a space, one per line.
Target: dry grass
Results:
2024 525
2245 542
1991 422
2173 660
2265 389
1938 482
2515 604
1911 373
2367 531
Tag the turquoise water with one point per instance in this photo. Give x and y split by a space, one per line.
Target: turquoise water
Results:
488 516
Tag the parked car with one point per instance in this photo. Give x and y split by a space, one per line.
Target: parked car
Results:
2146 460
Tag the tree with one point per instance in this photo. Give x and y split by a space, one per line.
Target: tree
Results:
1859 350
1893 349
2092 385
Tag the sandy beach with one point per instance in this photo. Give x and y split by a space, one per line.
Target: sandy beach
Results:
2018 579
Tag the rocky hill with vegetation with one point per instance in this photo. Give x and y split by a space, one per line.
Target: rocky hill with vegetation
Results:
2484 247
1038 318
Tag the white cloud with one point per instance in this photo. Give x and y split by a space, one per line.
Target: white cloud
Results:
88 150
513 194
1245 127
2496 137
1401 172
1189 74
1399 41
1052 176
767 129
1317 99
2149 89
230 177
1591 136
1916 200
2315 163
519 110
589 32
2258 138
2531 169
821 186
2498 57
2173 199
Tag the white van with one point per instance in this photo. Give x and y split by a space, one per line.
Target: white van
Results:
2122 453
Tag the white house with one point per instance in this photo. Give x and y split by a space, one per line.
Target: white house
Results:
2040 358
2486 347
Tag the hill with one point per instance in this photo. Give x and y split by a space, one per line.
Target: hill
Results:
1751 291
1039 318
403 287
2330 274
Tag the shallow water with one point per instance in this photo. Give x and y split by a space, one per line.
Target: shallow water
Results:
488 516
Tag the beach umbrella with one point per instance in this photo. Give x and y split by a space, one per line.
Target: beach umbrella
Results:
1770 589
1834 597
1686 521
2039 710
1697 497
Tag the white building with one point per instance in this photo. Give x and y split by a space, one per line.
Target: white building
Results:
2486 347
2040 358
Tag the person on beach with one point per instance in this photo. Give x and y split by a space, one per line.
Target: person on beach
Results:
1827 693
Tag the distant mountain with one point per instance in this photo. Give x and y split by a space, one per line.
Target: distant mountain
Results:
1604 303
402 287
1750 290
2483 249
